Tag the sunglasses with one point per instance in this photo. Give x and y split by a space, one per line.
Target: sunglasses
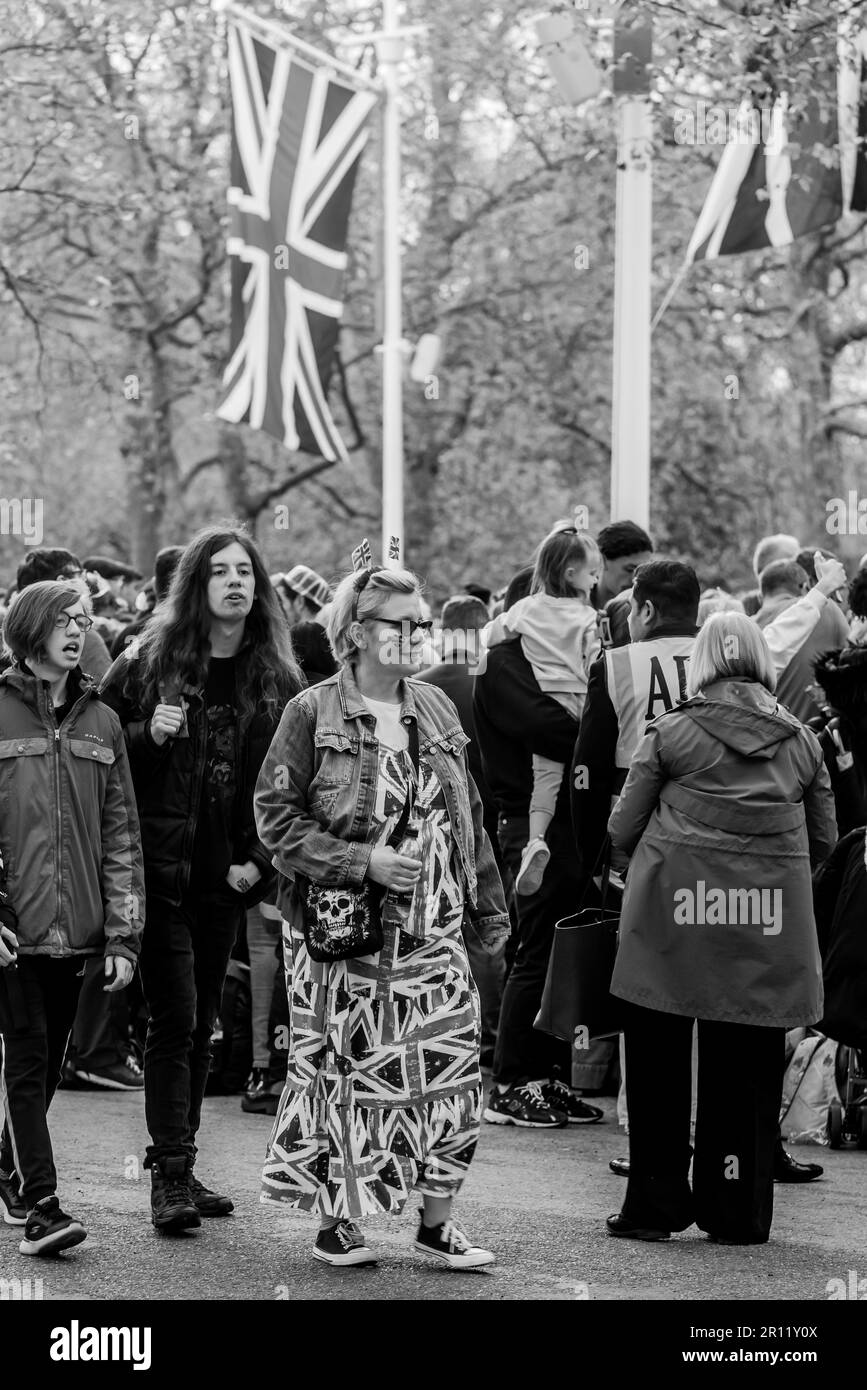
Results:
414 624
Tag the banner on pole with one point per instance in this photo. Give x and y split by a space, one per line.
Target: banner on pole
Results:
298 131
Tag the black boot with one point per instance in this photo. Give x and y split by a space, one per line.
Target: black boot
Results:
172 1205
262 1095
207 1202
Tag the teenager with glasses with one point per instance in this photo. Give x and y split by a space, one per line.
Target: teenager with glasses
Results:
73 889
383 1092
199 696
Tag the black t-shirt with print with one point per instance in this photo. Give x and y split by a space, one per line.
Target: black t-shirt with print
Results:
217 812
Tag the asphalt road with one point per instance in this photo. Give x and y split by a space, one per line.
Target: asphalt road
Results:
539 1199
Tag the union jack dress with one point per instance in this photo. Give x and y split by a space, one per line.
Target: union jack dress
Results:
383 1092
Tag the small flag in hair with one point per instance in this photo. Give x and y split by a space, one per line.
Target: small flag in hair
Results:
361 555
394 548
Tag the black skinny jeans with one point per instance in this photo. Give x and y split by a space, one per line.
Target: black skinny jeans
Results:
33 1053
740 1083
184 958
523 1053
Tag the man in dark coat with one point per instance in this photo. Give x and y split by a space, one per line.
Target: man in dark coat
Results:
514 720
463 618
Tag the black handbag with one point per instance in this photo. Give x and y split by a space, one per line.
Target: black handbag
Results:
577 1003
341 923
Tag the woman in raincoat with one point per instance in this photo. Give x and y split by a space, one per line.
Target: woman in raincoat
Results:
726 807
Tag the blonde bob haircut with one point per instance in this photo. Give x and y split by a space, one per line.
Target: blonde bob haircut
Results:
360 595
730 646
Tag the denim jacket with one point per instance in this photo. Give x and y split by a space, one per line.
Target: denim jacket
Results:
315 794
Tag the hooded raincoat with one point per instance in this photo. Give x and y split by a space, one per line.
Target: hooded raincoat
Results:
726 805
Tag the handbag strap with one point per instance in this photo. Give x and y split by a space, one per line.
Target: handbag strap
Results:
604 859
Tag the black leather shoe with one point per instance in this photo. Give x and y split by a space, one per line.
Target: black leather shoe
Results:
620 1166
619 1226
262 1095
786 1169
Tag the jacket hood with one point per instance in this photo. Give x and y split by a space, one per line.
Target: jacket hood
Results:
843 677
744 716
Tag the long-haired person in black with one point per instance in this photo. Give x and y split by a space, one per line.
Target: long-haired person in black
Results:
200 696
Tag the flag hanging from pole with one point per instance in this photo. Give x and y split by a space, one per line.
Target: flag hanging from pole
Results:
775 183
297 136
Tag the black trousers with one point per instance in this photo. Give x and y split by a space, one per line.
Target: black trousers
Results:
740 1083
522 1052
33 1052
100 1033
184 957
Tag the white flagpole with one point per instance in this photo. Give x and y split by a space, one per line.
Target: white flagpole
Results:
389 47
630 424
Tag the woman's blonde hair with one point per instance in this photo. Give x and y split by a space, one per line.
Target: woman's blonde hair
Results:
358 595
730 646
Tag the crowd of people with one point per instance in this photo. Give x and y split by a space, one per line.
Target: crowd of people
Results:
219 770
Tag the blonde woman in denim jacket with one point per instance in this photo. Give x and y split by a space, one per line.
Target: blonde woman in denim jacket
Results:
383 1091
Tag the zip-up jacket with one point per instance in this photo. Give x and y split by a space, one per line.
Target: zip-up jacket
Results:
315 795
69 833
168 780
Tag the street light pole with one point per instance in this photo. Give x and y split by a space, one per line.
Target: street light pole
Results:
630 416
390 48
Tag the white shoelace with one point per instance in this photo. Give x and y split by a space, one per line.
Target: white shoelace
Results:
348 1234
533 1089
454 1238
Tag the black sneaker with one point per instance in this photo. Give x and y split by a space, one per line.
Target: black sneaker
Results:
561 1097
14 1210
342 1245
524 1105
118 1076
48 1229
448 1243
172 1205
206 1202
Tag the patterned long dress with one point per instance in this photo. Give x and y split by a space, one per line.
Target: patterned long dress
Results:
383 1092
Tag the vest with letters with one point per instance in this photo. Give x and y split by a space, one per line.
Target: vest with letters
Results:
645 679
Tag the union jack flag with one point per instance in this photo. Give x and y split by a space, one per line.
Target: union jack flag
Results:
297 139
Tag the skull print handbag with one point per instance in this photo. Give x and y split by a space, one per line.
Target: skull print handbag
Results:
340 922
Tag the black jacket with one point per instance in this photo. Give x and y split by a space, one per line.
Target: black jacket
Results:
840 906
168 786
515 719
843 677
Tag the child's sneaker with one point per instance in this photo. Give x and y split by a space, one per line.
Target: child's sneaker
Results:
534 862
343 1244
447 1243
48 1229
14 1210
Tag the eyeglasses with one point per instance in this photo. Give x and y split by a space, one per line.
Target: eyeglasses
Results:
83 623
414 624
